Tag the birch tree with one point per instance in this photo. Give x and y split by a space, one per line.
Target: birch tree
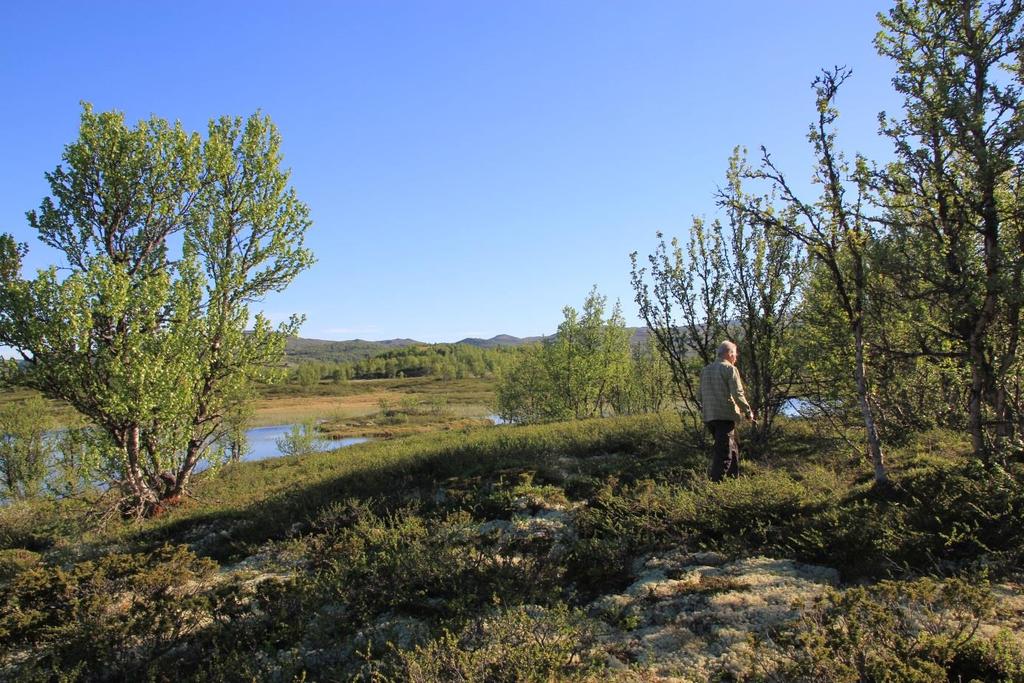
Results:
953 195
836 232
168 238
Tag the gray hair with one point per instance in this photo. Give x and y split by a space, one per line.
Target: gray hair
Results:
724 349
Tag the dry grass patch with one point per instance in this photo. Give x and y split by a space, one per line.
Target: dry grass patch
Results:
289 410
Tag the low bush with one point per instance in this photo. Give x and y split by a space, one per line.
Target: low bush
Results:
526 643
13 561
27 524
467 554
438 569
622 522
966 511
758 513
922 630
997 658
112 618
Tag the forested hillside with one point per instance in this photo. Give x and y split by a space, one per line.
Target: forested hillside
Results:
299 350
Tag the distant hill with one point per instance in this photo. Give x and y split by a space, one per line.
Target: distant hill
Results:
499 340
640 335
298 349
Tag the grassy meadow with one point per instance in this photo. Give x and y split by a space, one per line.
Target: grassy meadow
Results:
57 412
348 408
588 550
379 408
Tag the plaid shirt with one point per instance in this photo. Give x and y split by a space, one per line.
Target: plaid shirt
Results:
721 392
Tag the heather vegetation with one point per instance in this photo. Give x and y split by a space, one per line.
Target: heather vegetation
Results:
584 549
876 532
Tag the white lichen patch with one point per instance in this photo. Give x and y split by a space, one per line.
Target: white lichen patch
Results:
494 526
270 562
548 528
1009 617
537 502
539 528
697 616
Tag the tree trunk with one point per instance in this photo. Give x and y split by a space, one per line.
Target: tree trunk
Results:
982 373
192 455
141 499
874 443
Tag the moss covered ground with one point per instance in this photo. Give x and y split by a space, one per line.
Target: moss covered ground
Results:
591 550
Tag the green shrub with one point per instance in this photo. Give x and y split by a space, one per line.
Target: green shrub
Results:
894 631
622 522
394 417
300 440
253 636
340 515
524 496
860 536
25 451
525 643
999 658
440 570
756 513
114 617
23 524
13 561
967 511
944 516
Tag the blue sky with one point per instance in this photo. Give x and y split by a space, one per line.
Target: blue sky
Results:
471 166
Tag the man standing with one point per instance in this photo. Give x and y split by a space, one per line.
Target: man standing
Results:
724 404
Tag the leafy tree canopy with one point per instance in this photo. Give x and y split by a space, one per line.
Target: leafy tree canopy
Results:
168 237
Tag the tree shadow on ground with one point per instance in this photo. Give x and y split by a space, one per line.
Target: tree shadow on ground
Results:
413 473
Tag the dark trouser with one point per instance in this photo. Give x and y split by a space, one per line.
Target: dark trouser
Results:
725 455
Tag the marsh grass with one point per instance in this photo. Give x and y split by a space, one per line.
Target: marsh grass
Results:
347 407
404 415
288 403
58 412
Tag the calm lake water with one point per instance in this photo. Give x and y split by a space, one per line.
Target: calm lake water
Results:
263 443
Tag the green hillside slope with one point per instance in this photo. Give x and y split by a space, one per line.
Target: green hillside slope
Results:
594 550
